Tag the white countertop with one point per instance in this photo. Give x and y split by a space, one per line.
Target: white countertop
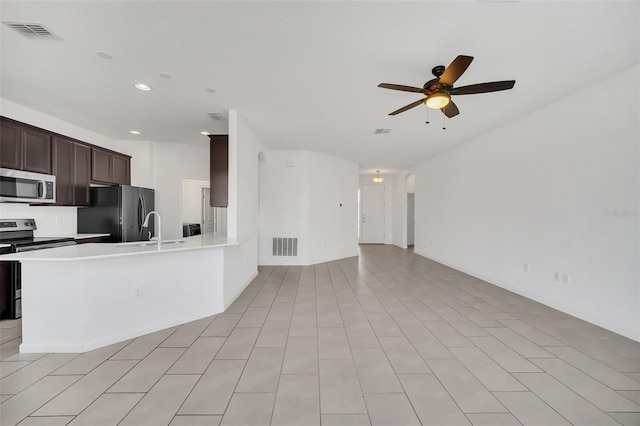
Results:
110 250
85 236
75 237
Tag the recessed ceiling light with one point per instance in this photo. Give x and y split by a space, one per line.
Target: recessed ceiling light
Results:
210 90
134 132
204 133
165 75
104 55
142 86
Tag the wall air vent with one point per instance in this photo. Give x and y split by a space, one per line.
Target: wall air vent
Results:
285 246
381 131
32 30
216 116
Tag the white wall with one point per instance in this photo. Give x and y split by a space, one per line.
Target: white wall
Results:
410 183
540 191
243 212
284 204
51 221
389 184
142 161
333 208
303 200
172 163
192 200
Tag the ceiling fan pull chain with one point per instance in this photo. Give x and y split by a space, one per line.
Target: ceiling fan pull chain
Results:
427 122
444 127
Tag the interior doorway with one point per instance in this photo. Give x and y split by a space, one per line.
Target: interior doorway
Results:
214 219
410 219
410 187
196 209
372 215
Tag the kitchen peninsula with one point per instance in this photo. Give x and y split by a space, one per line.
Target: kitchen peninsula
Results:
82 297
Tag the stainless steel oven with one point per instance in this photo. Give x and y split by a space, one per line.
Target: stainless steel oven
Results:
191 229
17 186
17 236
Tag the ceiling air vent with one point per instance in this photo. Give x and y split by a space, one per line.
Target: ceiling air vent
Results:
31 30
216 116
381 131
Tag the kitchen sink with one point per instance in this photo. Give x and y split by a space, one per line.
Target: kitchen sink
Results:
148 243
173 241
137 244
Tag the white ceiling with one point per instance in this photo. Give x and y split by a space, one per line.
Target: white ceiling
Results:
304 74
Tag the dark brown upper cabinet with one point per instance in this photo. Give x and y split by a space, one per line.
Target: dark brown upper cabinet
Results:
108 167
81 174
10 145
23 147
120 172
76 164
72 168
100 165
219 170
37 151
62 169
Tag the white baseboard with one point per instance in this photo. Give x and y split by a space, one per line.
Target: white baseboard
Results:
228 303
106 341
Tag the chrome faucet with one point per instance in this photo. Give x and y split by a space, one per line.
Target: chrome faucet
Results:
146 223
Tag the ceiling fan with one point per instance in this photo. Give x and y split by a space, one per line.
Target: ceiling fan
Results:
440 89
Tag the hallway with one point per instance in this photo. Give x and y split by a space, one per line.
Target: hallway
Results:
389 338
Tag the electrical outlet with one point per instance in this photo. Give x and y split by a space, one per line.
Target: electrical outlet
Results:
556 276
139 293
565 278
526 267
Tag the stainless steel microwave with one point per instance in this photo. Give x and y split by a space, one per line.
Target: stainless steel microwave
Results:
17 186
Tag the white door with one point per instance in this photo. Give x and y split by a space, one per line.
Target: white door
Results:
221 221
372 214
410 218
208 212
214 219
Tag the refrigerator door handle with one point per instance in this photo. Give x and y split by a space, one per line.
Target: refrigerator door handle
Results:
144 208
144 213
140 211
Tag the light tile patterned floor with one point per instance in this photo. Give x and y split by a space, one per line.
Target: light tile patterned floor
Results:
388 338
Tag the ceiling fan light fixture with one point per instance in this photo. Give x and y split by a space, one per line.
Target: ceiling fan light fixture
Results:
377 179
143 87
437 100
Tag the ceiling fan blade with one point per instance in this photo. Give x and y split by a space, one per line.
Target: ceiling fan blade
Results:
407 107
401 87
451 110
455 70
494 86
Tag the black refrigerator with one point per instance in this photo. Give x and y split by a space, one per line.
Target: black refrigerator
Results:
118 210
